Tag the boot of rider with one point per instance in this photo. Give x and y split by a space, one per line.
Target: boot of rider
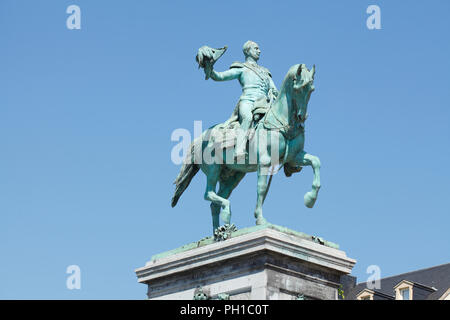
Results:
241 140
245 113
241 146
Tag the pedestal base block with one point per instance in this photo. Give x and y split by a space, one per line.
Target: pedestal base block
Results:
260 263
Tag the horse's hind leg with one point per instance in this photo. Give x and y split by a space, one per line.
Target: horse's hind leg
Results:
215 211
226 187
217 201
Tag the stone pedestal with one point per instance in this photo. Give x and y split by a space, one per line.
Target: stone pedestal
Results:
259 263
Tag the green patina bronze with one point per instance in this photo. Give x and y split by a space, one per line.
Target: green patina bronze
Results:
262 111
200 294
224 232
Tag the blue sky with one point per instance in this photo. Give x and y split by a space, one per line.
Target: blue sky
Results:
86 118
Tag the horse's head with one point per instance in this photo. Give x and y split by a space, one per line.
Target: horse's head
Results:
299 84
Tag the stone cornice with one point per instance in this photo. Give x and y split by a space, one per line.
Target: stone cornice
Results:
267 239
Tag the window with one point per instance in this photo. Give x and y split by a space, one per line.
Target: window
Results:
404 290
404 293
446 295
366 294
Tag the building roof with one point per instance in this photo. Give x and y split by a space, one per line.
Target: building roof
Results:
437 277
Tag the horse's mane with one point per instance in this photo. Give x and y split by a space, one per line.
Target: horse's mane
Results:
282 91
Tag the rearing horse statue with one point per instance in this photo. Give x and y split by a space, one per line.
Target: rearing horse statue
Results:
283 127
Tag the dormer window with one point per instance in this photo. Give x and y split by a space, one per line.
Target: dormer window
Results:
446 295
404 290
404 293
366 294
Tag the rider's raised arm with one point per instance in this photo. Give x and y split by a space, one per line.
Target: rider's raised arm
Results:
230 74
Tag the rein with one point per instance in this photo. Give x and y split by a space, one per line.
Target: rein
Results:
285 128
287 133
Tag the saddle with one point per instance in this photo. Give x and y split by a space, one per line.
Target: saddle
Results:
224 131
260 108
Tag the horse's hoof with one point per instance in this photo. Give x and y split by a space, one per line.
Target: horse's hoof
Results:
310 200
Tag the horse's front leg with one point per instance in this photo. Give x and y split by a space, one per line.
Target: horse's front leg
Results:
305 159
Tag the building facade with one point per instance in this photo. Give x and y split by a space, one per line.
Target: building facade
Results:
425 284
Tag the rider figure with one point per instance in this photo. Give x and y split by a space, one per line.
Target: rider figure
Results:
256 82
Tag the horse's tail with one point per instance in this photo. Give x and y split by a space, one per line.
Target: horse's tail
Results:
187 172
